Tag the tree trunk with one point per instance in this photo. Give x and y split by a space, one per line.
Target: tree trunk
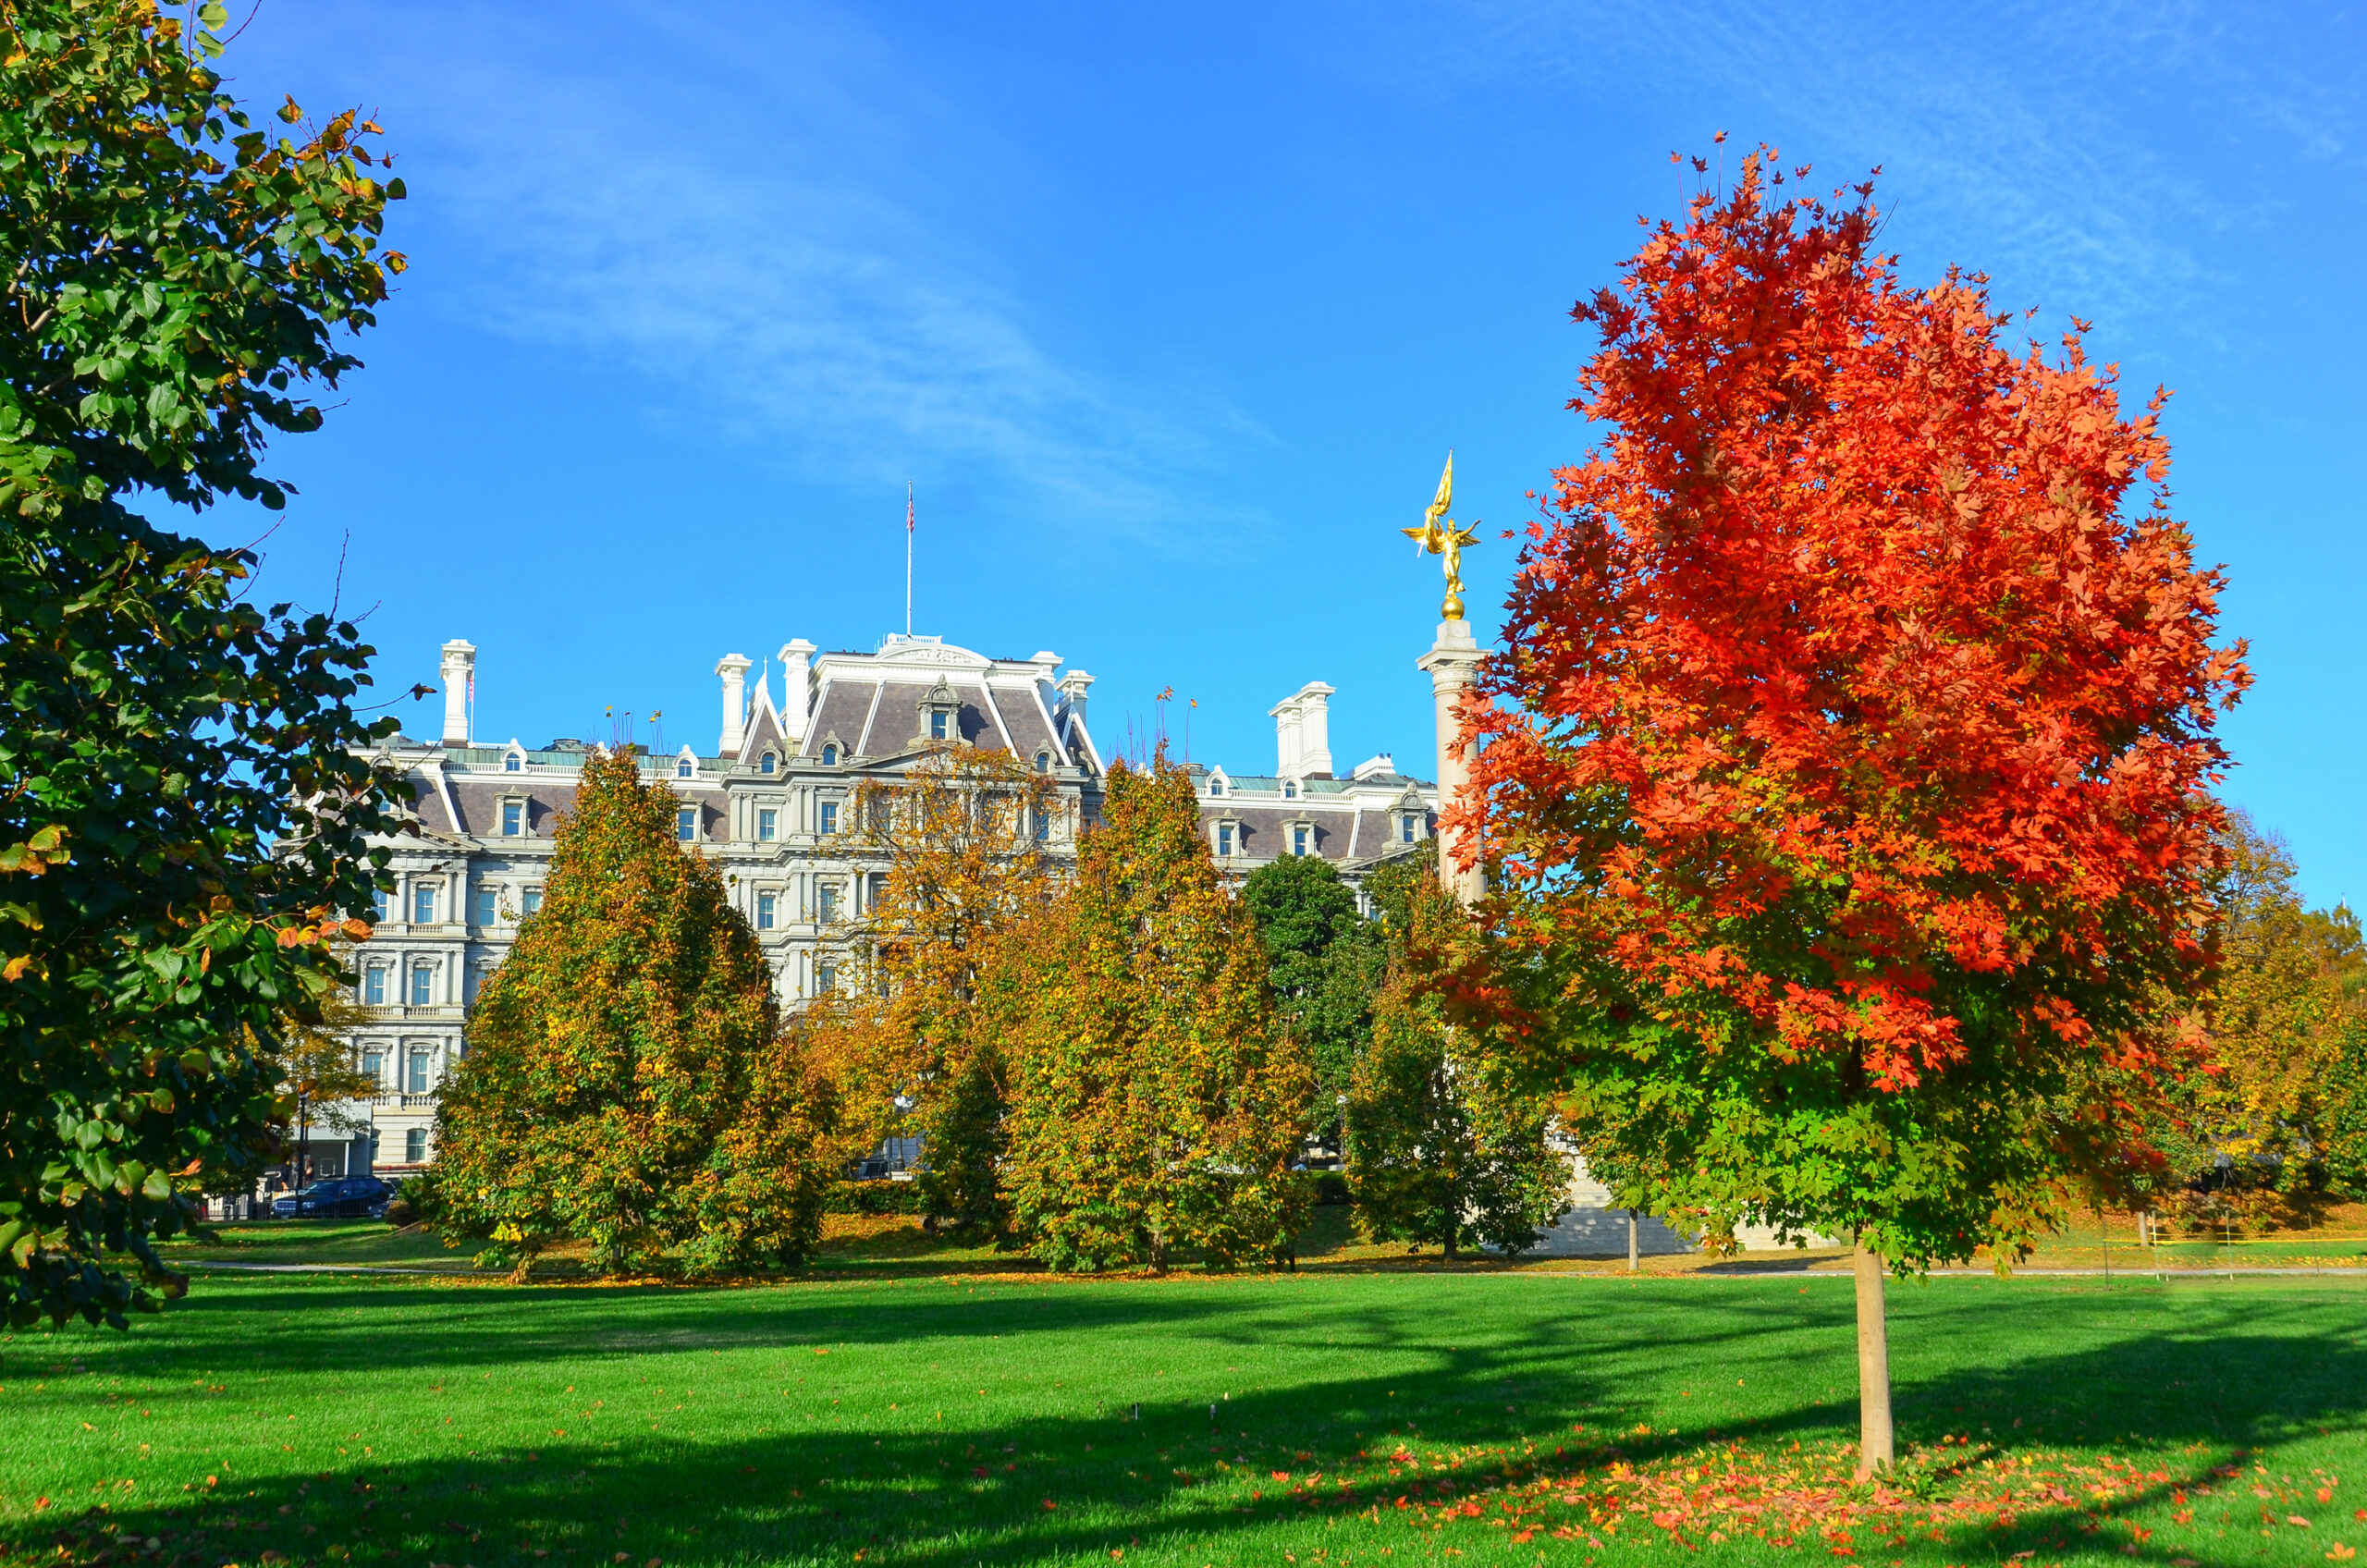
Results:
1875 1450
1634 1260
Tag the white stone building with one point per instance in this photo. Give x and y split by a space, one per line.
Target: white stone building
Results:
767 804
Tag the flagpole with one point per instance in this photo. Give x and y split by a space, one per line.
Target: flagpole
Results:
907 558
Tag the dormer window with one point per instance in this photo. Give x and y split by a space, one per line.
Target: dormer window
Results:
1216 788
1290 789
1410 827
768 762
686 823
684 769
513 763
1043 762
1224 840
513 817
830 754
940 715
1302 836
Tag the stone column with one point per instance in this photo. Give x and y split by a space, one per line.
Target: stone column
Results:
1453 660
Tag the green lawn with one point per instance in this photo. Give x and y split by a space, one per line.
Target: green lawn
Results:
951 1420
371 1242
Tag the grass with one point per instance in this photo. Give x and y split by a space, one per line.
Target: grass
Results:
955 1419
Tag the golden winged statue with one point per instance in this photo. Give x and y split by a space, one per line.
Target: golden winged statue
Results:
1440 535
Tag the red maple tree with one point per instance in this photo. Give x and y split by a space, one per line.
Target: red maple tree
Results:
1847 765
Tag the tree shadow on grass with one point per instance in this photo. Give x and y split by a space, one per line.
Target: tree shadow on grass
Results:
1046 1485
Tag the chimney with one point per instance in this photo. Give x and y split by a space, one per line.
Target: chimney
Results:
460 665
796 686
1073 687
1314 702
1286 716
733 667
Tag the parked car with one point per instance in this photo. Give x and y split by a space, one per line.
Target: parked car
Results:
342 1197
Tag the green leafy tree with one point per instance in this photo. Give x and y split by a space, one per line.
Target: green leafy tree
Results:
183 813
2345 1134
626 1081
1446 1144
1155 1107
1324 960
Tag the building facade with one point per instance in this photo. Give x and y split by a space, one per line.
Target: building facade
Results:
771 805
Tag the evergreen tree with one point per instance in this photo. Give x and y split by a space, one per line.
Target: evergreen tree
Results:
626 1082
1444 1143
1155 1109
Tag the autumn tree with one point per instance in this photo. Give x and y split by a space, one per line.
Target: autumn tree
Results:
1848 757
2248 1128
1324 961
1446 1143
626 1081
184 831
1155 1107
966 833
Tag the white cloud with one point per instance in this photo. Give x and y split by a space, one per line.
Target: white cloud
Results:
743 225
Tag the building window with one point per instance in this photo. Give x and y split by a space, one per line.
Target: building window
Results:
382 905
373 985
830 755
1298 841
684 768
1224 837
767 824
1290 789
488 904
513 763
415 1076
422 985
826 902
422 904
1216 788
830 816
763 911
825 978
686 823
415 1146
530 901
936 727
878 891
374 1066
766 763
513 818
1043 825
1043 762
1406 829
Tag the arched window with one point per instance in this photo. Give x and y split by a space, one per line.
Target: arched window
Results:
766 763
1290 789
830 755
684 769
1043 762
1216 788
513 763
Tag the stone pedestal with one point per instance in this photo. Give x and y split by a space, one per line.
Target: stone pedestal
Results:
1453 661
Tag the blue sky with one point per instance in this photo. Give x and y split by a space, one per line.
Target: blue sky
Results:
1170 315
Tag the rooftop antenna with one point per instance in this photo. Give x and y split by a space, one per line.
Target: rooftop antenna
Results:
908 558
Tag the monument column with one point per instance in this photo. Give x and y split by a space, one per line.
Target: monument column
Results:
1453 661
